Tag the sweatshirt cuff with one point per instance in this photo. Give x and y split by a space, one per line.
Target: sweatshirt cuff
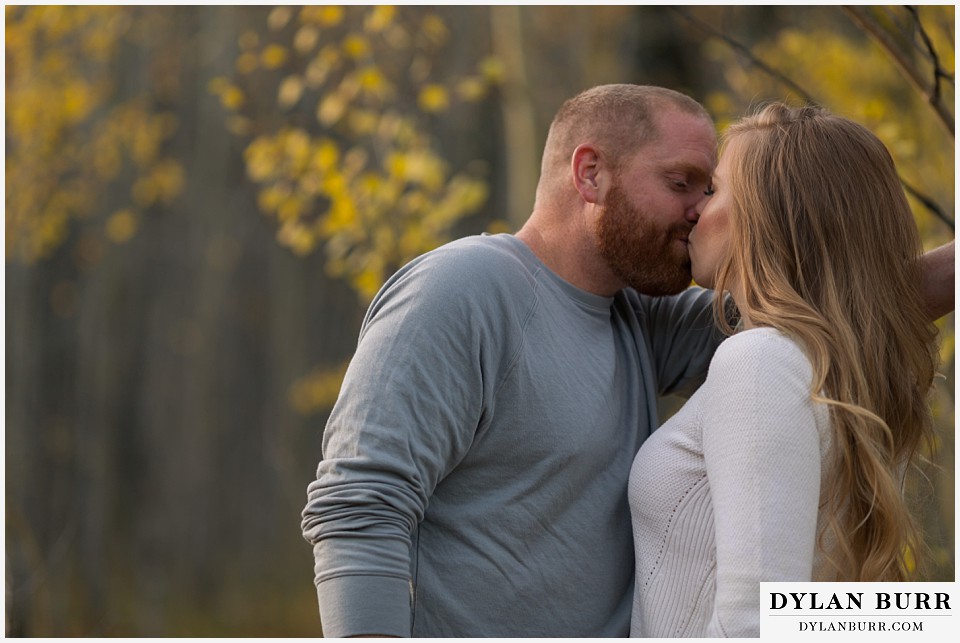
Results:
364 606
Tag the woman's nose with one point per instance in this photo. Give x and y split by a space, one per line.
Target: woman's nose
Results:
693 214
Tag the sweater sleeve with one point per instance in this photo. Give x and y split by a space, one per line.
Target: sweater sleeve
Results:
762 452
408 409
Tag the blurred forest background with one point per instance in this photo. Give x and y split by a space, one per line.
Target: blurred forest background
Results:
201 200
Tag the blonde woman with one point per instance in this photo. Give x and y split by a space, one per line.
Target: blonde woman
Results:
788 463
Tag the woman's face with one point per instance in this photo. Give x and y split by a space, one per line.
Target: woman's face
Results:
710 237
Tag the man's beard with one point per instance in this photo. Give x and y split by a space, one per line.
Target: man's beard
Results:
640 253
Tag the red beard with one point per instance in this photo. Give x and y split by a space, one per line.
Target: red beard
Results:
641 254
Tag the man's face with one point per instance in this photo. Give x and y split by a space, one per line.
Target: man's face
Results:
650 207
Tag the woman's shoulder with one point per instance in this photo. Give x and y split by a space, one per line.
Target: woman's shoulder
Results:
760 352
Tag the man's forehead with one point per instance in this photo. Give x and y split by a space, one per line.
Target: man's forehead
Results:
698 170
693 158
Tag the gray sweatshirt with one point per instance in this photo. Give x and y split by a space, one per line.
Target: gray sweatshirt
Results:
474 472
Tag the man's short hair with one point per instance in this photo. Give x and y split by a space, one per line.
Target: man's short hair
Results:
619 118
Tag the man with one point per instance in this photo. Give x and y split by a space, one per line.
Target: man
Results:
475 464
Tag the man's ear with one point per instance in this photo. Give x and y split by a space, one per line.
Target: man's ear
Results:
588 169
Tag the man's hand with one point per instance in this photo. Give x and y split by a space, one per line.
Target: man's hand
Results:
937 280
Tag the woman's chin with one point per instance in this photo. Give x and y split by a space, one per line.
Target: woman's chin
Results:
701 279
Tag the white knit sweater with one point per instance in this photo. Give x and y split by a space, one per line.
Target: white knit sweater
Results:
726 494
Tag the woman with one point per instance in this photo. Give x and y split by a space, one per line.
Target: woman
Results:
788 463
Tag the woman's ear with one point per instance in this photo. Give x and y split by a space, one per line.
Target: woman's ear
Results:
586 166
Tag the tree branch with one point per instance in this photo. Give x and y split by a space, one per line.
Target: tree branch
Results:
862 19
746 53
938 70
928 203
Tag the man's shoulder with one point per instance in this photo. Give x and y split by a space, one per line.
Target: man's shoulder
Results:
471 265
478 277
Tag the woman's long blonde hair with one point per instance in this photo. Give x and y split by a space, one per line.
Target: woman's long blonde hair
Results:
825 249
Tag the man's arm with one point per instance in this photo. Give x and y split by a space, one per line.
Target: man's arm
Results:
681 337
407 410
937 280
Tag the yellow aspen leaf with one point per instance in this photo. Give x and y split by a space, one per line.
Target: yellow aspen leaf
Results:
435 29
363 122
356 46
308 184
334 185
306 38
433 98
259 157
279 17
291 89
232 98
331 109
270 198
472 88
414 202
247 62
318 391
372 81
369 183
273 56
491 68
121 226
316 73
169 179
411 241
379 18
54 63
425 168
239 125
50 235
368 282
77 101
144 192
396 165
420 68
498 226
325 155
384 240
397 37
297 237
342 214
296 147
290 209
329 16
217 85
350 86
909 560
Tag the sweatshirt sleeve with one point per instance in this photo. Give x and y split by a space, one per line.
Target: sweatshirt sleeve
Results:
407 412
682 337
761 447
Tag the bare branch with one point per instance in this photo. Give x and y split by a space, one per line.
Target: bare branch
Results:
928 203
938 71
862 18
746 53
